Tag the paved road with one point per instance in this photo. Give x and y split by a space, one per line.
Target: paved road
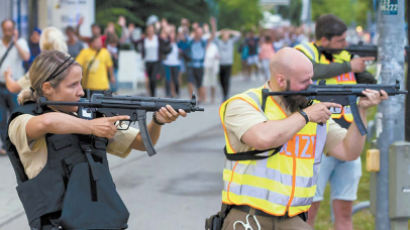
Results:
175 190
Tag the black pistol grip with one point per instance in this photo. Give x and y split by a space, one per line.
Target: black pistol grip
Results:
141 116
356 115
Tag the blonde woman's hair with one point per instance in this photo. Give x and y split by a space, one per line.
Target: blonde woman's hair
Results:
52 66
53 39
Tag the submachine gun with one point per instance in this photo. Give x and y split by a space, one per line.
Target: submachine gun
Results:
107 105
341 94
361 50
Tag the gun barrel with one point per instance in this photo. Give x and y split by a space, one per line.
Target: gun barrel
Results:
338 90
149 104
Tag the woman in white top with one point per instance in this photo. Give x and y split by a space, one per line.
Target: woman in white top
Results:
172 64
153 49
211 67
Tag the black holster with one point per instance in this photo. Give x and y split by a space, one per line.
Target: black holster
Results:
215 222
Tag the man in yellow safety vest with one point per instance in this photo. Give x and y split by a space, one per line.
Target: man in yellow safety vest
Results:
275 191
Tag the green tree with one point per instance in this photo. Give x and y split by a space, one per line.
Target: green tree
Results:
291 12
238 14
350 11
138 11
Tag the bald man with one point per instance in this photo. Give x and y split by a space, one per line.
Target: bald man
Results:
273 155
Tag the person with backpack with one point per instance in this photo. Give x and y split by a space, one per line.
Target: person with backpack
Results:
196 55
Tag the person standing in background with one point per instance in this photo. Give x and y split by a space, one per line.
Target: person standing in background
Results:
95 31
97 67
34 48
226 50
153 49
336 68
172 65
211 68
51 39
112 47
74 45
196 55
265 55
183 46
252 61
13 51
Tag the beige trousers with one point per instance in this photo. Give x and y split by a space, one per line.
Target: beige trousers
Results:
240 220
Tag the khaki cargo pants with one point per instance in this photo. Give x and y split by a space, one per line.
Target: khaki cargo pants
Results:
240 220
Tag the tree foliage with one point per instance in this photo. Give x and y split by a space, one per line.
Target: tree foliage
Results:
291 12
239 14
138 11
350 11
235 14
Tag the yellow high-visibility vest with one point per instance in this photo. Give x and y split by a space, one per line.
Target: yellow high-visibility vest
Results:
280 184
310 50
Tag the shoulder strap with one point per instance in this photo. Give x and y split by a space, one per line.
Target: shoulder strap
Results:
6 53
87 71
250 155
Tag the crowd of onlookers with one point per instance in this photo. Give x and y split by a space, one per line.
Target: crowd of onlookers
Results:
200 53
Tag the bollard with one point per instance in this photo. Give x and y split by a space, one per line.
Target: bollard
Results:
399 186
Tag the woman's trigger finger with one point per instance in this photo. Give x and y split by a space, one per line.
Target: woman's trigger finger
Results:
119 118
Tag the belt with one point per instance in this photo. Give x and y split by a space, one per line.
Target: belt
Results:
247 209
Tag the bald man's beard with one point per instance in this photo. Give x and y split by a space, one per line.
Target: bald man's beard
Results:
295 103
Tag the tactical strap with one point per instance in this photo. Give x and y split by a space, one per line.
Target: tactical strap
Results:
6 53
250 155
87 70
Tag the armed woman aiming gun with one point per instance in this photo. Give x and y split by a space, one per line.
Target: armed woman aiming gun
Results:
59 158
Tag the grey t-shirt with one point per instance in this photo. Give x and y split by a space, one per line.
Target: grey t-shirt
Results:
75 49
226 50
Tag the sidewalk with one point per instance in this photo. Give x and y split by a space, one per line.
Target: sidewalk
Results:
183 128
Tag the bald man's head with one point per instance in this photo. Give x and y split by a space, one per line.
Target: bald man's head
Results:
290 65
291 70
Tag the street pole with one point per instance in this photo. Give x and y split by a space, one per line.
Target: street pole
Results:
390 112
32 15
407 132
19 16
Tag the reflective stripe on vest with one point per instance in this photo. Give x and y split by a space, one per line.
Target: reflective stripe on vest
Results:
309 50
285 182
